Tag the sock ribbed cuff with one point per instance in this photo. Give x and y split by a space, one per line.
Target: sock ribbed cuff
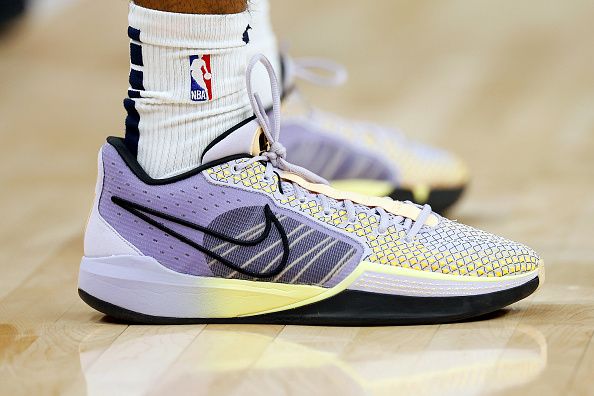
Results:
175 30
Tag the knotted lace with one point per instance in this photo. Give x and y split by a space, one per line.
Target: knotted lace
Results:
276 152
275 158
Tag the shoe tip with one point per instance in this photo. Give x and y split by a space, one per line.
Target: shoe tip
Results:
527 258
541 273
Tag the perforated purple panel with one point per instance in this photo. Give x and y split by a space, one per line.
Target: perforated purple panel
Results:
198 201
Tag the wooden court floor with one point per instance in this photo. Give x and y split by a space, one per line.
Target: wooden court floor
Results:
508 85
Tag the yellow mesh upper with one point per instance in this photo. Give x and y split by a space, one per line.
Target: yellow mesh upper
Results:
448 248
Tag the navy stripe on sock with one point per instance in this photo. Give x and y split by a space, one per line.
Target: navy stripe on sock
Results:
136 78
136 54
134 34
132 120
134 94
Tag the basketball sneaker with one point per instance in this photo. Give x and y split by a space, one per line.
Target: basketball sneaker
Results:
361 156
248 237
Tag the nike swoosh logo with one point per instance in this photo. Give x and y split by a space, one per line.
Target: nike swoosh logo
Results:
143 213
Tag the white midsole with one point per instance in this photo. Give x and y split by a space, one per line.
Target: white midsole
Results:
409 282
141 284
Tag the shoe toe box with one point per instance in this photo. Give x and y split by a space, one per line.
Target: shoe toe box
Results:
457 249
464 250
433 168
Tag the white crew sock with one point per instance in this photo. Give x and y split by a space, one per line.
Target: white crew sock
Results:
263 41
171 116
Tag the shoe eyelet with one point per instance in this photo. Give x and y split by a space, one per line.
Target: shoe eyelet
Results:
302 200
327 213
279 195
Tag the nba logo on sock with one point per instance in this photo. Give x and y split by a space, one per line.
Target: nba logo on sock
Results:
201 77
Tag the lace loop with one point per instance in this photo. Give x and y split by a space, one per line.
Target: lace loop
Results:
275 157
271 126
305 68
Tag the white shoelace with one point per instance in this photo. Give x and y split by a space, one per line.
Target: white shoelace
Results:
275 158
334 74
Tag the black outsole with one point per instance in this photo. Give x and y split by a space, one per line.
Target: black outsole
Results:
350 308
439 199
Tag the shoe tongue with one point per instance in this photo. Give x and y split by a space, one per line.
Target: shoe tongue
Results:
243 138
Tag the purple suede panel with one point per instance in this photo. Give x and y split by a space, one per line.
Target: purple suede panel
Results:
331 157
193 199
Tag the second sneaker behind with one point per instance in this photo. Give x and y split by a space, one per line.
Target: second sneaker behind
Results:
361 156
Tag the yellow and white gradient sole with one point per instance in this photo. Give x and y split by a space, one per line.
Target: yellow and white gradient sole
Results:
138 289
